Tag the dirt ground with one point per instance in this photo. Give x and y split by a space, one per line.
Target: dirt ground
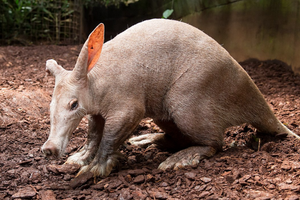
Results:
251 165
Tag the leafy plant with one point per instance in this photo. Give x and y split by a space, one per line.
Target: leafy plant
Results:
13 17
167 13
38 19
117 3
49 18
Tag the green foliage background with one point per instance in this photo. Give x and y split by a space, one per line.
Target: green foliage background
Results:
107 2
40 19
24 21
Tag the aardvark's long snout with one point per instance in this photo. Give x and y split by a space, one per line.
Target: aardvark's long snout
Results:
50 149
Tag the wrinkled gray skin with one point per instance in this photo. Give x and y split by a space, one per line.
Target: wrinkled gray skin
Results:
163 69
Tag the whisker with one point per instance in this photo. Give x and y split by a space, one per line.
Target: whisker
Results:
81 112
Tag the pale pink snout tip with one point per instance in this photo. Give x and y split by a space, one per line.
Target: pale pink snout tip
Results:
49 149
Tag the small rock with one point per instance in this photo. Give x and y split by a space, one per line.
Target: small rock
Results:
289 181
146 170
200 188
207 163
63 169
292 197
164 184
24 176
115 183
236 174
136 172
254 194
149 177
203 195
205 179
284 186
139 194
226 173
267 147
52 168
125 194
131 159
148 155
121 178
81 179
160 195
24 193
157 171
139 179
6 183
262 169
67 177
256 178
100 185
271 187
36 176
229 179
295 165
286 165
12 172
128 178
244 179
190 175
69 168
47 195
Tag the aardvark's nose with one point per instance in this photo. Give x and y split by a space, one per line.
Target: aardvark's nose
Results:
49 149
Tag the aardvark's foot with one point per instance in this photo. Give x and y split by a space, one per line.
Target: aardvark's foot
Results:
83 157
99 168
146 139
186 157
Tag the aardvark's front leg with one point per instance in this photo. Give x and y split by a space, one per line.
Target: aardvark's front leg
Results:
117 129
88 151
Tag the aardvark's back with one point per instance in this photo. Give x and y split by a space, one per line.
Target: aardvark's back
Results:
151 56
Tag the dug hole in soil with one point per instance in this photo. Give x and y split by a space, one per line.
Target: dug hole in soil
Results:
251 165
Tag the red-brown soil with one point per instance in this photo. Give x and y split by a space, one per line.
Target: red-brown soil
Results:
251 165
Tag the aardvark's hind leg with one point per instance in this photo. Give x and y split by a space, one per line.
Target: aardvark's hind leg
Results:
189 156
172 139
146 139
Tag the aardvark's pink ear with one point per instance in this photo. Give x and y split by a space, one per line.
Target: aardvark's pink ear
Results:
95 44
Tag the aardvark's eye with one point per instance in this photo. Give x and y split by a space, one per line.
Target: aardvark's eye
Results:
73 104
